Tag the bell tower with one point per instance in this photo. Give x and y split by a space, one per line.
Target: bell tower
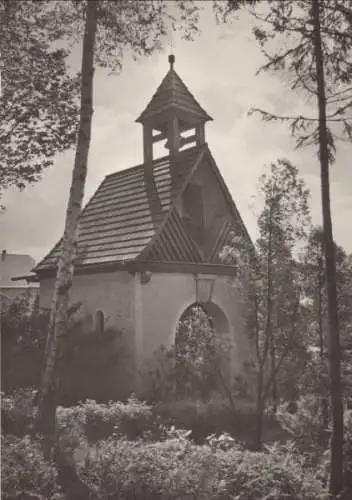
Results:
173 115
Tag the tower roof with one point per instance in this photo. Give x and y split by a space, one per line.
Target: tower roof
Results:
172 93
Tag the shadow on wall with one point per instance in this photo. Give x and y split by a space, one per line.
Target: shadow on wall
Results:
95 364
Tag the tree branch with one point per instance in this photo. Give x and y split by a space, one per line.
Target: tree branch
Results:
270 116
278 59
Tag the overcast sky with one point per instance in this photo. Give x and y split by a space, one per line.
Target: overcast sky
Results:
219 69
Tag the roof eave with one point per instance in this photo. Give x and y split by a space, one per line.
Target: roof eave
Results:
147 115
136 265
30 278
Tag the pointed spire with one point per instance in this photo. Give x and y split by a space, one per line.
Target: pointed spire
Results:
173 93
171 61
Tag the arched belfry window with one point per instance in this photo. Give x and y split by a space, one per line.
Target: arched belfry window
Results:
99 321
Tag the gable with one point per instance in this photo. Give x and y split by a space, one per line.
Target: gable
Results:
214 206
207 232
173 243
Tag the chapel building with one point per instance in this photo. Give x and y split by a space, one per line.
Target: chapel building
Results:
150 241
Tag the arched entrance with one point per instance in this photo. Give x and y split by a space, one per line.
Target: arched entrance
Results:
203 348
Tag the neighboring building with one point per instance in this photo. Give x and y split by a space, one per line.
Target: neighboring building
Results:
150 237
11 266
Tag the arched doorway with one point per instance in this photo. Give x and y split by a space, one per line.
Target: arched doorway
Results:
203 347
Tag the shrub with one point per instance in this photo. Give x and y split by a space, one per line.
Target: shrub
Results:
24 470
24 328
173 469
133 419
305 427
91 361
17 412
177 469
213 416
276 473
348 451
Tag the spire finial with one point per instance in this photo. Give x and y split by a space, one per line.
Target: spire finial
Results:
171 61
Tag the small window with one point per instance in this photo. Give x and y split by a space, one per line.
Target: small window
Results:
99 321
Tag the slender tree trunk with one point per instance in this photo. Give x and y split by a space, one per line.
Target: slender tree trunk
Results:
324 402
262 359
258 437
58 321
273 371
336 470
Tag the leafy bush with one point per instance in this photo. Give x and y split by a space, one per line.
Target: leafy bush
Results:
305 427
24 470
129 465
24 328
348 451
276 473
133 419
17 412
177 469
92 362
89 419
215 417
165 470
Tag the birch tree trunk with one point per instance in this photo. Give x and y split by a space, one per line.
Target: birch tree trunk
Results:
45 423
336 468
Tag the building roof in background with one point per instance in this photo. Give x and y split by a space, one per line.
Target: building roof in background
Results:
13 265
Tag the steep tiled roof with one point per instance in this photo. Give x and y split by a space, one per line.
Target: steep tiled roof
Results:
173 93
125 213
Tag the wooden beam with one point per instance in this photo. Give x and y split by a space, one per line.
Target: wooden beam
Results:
148 144
200 134
140 266
187 140
185 268
174 136
159 137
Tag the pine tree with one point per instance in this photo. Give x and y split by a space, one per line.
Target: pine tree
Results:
316 55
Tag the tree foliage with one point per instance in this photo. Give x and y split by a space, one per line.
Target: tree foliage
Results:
292 22
314 289
272 283
39 96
